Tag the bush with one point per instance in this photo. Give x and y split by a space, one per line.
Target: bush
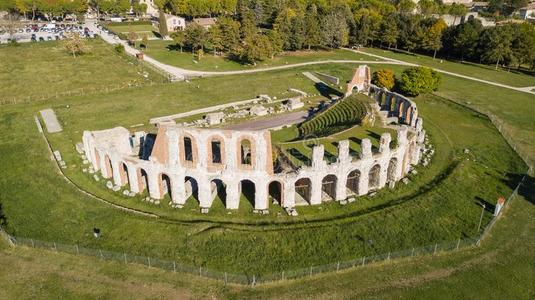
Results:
119 48
384 78
418 80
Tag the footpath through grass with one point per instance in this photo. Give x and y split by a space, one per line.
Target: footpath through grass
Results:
166 52
485 72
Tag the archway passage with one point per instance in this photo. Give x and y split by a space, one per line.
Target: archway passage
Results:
218 189
245 152
353 180
374 177
165 185
192 188
275 192
108 166
248 190
143 180
328 187
391 171
303 191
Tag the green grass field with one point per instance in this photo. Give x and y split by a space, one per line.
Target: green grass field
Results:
445 210
160 51
32 71
485 72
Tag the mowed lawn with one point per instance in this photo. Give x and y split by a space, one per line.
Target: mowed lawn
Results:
168 53
140 29
486 72
31 71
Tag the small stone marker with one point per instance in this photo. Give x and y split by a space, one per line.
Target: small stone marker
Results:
51 121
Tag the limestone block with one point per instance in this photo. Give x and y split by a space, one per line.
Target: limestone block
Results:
84 170
204 210
80 148
116 188
85 161
109 185
405 180
96 177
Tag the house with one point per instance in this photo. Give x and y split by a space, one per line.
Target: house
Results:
174 23
527 12
205 22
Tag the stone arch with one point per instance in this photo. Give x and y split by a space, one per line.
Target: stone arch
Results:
303 191
192 188
391 171
216 150
143 180
246 152
188 147
374 177
401 109
328 187
218 189
97 160
248 190
353 181
165 184
276 192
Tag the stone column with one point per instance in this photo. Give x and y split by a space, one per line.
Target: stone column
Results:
341 191
205 193
261 199
289 195
117 178
315 190
132 178
178 189
154 185
384 143
233 195
366 148
343 152
364 181
317 157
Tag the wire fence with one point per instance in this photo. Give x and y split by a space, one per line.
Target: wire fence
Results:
242 279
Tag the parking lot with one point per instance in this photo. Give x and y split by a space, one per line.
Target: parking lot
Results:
44 32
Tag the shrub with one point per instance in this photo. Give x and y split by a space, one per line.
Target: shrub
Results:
384 78
119 48
418 80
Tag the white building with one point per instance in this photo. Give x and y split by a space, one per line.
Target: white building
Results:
152 10
527 12
174 23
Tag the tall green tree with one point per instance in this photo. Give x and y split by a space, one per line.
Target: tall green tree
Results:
195 37
497 42
312 35
389 31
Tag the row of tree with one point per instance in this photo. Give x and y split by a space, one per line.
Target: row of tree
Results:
51 8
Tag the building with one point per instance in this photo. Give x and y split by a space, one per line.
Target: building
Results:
174 23
152 10
205 22
527 12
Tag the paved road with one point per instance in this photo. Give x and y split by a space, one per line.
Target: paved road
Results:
277 121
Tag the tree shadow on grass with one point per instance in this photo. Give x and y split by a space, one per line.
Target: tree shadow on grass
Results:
3 219
327 91
527 189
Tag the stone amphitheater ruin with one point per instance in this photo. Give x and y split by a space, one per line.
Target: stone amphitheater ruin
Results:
185 161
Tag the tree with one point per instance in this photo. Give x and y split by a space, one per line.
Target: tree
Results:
145 41
457 11
179 37
384 78
74 44
335 32
162 25
230 33
312 27
195 37
418 80
433 37
497 44
427 7
389 31
132 36
215 38
523 44
467 36
256 48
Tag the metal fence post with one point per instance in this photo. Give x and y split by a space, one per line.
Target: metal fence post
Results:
174 266
338 267
388 257
363 260
282 276
412 253
101 256
77 250
254 280
458 243
33 244
435 251
148 259
55 248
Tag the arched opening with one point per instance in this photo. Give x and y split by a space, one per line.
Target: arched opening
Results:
248 190
97 160
108 166
353 180
328 188
218 189
391 171
401 110
374 176
165 185
303 191
408 115
188 149
215 147
275 192
124 174
245 152
143 180
192 188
